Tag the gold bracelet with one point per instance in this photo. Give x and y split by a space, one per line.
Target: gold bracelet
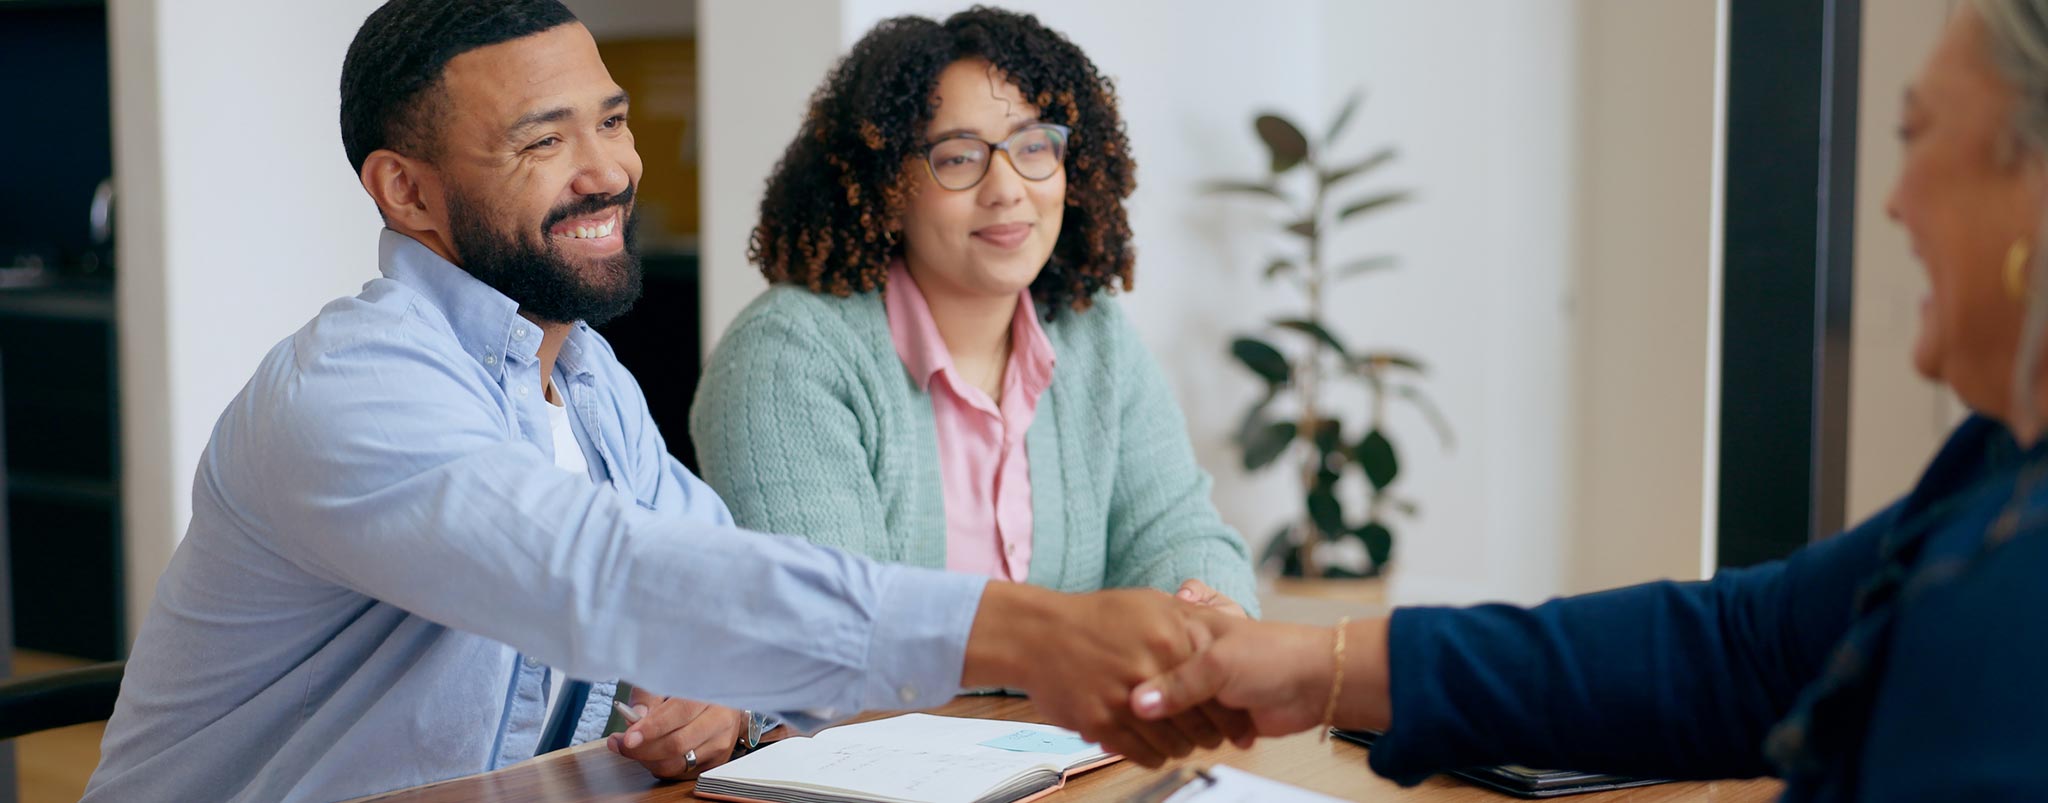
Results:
1336 682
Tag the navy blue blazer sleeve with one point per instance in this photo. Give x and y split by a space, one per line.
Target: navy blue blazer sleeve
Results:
1666 679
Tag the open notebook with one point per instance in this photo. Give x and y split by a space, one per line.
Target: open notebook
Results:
913 758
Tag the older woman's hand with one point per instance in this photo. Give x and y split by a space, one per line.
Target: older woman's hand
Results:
1281 674
1200 593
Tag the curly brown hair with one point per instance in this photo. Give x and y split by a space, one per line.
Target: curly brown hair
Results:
827 219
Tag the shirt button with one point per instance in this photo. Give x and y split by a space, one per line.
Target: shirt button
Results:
522 391
519 334
1011 549
532 662
907 694
490 359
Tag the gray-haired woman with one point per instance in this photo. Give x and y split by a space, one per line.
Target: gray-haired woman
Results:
1906 659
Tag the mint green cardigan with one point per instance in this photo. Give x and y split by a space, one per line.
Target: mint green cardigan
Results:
807 423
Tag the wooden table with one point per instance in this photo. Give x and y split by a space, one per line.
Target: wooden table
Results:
1337 768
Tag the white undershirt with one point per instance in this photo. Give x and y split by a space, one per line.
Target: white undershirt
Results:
568 453
568 457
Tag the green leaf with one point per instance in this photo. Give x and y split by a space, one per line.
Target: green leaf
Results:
1284 141
1243 188
1325 510
1376 455
1305 228
1280 549
1267 444
1278 266
1379 542
1429 410
1255 417
1263 359
1315 330
1355 267
1360 167
1344 114
1374 202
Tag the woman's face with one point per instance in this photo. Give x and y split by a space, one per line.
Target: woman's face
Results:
1966 193
991 239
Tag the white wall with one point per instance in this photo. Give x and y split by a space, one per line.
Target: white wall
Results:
1645 283
239 217
758 61
1896 419
1481 99
1559 275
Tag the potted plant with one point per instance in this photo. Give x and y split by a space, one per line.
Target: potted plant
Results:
1293 422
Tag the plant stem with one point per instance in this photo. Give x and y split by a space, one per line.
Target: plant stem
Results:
1379 411
1311 376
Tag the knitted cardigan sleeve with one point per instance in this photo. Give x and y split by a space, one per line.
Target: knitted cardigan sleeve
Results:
1163 527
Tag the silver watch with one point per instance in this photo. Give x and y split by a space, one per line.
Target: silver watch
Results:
756 724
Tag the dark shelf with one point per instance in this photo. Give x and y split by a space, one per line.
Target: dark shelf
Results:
39 5
65 299
76 490
59 381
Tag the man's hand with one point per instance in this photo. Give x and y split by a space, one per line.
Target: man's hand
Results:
1080 656
670 729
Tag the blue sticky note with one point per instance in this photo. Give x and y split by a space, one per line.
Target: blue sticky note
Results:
1030 741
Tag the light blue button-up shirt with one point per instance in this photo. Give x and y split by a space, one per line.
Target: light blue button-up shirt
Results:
384 562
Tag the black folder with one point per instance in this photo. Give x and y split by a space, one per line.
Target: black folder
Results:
1522 781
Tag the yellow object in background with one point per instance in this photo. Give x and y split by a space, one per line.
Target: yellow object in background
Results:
661 75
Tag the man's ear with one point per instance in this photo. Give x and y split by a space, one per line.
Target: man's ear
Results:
405 190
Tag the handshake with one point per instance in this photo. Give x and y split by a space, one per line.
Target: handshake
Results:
1153 676
1145 674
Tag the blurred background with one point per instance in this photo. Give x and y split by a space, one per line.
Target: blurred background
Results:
1640 252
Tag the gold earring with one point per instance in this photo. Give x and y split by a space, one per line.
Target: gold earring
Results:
2016 270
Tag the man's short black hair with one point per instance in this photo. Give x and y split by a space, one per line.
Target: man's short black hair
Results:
398 57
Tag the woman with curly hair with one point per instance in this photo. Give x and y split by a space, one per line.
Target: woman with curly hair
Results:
937 375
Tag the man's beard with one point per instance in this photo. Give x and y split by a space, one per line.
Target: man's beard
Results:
546 285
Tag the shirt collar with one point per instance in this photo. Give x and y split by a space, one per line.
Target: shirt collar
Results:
911 326
574 360
924 352
1031 354
485 321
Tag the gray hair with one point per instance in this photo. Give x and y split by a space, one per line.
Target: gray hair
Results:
2017 36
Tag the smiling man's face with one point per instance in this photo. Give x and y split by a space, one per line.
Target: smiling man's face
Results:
538 172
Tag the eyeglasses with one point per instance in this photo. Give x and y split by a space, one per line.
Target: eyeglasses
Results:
1036 152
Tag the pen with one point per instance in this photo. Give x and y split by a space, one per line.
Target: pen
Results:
625 712
1172 782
